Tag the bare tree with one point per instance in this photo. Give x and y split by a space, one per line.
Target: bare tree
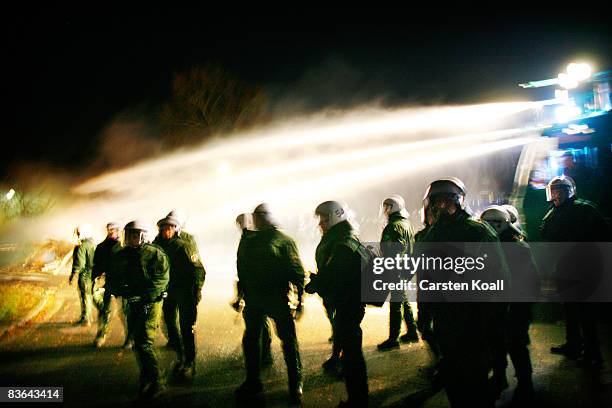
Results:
208 99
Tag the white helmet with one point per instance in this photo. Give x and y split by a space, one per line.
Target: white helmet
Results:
396 204
168 220
331 213
245 221
139 226
514 215
84 231
177 216
450 186
561 181
499 218
264 215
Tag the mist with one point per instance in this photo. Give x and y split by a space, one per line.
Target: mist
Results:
359 156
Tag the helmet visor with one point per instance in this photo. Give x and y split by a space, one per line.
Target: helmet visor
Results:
134 237
553 189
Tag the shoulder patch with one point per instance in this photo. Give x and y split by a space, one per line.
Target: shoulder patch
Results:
194 257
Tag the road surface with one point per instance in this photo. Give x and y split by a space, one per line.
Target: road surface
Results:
52 352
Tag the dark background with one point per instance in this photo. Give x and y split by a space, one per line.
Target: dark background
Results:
65 74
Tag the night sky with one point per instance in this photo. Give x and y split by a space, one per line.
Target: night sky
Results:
64 76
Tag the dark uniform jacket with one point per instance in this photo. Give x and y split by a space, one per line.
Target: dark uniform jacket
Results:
418 237
453 235
461 328
576 220
268 262
338 280
102 255
577 263
242 247
397 230
142 272
187 273
523 269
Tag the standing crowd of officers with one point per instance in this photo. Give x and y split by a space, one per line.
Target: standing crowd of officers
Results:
151 279
468 340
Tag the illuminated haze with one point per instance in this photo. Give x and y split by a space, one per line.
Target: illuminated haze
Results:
359 156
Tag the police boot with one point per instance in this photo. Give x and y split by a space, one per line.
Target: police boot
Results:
567 350
410 337
177 368
83 322
187 372
248 390
387 345
497 384
332 364
295 394
150 390
523 394
128 344
99 341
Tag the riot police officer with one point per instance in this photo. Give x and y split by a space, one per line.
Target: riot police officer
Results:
397 238
244 222
424 315
525 290
338 281
571 219
187 276
174 341
101 272
145 273
268 268
460 327
82 265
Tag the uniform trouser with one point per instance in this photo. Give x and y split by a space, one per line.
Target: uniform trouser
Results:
330 311
400 307
519 320
143 321
266 339
461 332
85 296
97 296
104 315
581 328
254 318
425 326
170 326
183 334
496 334
347 332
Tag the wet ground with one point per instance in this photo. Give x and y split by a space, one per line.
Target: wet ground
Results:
52 352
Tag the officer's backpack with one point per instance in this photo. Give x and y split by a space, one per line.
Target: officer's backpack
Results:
367 255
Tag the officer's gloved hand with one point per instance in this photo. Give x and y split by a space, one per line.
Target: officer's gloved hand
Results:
299 311
237 305
311 287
